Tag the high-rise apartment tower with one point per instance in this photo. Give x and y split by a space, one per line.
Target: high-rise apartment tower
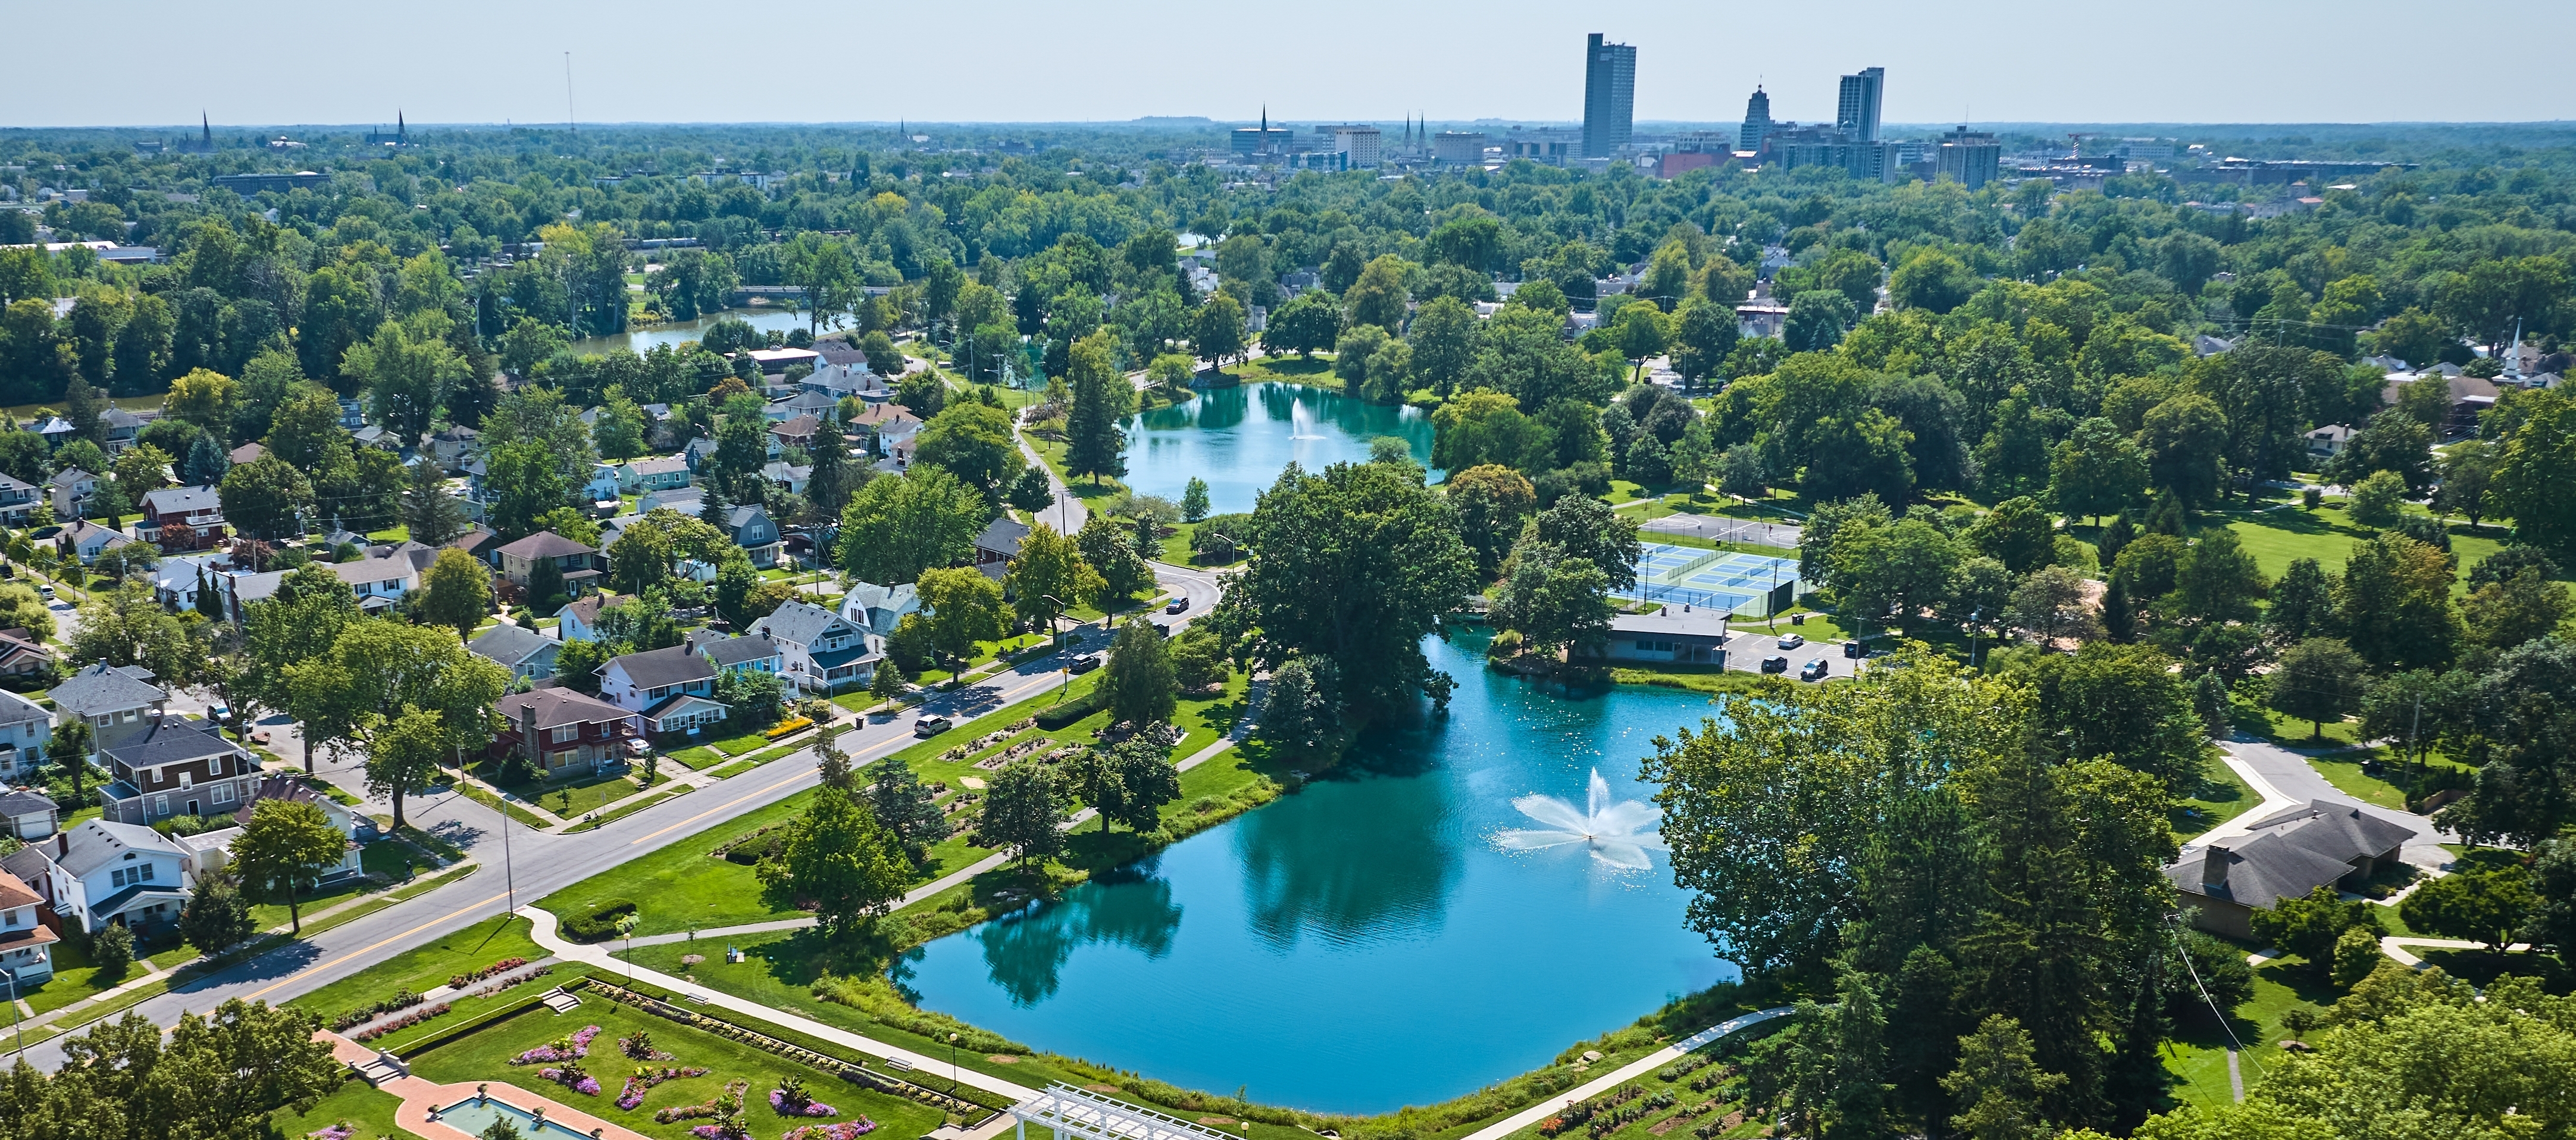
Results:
1609 96
1757 121
1858 114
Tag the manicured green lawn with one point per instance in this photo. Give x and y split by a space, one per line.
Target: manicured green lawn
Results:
355 1103
2222 796
485 1056
74 979
2198 1049
2276 538
274 913
678 887
419 970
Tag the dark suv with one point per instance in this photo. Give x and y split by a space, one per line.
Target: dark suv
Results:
1775 664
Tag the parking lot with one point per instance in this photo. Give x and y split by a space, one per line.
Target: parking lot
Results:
1745 651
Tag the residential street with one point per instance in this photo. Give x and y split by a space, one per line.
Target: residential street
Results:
541 863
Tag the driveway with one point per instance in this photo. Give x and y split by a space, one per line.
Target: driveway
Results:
2284 779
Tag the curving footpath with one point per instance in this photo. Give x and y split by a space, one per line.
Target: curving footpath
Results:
1628 1072
598 955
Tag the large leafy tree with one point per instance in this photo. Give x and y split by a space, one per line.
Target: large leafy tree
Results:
840 860
1138 681
975 443
1357 565
284 850
1049 575
1022 811
900 525
378 671
457 592
963 607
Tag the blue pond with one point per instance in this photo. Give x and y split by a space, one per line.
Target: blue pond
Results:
1238 439
1363 944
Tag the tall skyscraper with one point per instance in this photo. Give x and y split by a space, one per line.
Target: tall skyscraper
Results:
1757 121
1858 114
1609 96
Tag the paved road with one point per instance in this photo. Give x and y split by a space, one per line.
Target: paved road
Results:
2284 778
540 863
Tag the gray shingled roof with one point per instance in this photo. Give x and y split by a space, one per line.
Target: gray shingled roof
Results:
799 622
545 544
2287 854
1002 536
726 652
554 708
511 645
673 665
96 843
173 740
101 687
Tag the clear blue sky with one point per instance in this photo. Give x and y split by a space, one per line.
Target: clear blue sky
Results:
301 61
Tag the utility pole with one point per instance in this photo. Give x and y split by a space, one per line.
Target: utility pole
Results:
570 123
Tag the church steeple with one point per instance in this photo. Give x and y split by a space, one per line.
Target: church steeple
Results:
207 128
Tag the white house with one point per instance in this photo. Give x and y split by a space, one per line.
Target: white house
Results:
578 620
673 687
24 728
602 487
26 945
823 652
100 873
876 608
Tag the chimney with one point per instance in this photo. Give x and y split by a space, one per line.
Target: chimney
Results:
2213 865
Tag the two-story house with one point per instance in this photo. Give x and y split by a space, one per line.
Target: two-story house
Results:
24 728
876 608
18 500
183 518
805 402
637 476
999 544
119 427
579 563
749 528
71 490
26 945
55 431
387 573
673 688
450 445
602 487
117 701
884 426
564 731
750 652
799 431
823 651
526 653
177 766
103 872
578 620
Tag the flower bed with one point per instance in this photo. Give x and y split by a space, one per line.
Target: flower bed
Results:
341 1131
363 1014
643 1080
790 727
404 1022
639 1046
496 969
571 1077
571 1048
789 1099
843 1130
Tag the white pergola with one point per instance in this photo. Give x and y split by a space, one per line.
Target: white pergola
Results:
1079 1113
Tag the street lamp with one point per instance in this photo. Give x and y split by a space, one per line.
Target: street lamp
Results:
626 930
952 1071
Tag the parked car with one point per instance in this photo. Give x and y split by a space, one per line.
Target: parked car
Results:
930 725
1176 605
1793 641
637 747
45 592
219 712
1775 664
1083 663
1815 670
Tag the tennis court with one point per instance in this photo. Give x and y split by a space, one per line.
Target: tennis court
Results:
1752 585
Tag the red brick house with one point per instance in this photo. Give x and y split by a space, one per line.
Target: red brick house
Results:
183 518
562 730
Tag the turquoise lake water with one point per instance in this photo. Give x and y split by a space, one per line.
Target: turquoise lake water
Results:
1363 944
1238 439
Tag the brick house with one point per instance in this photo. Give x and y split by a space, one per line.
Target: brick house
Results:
183 518
562 730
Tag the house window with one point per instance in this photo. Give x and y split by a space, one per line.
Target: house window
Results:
223 793
215 766
565 733
160 805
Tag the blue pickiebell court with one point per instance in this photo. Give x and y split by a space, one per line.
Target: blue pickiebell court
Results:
1749 585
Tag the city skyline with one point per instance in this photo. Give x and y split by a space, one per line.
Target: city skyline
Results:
1512 62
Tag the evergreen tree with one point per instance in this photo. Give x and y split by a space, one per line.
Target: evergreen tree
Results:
905 807
2115 538
2166 517
2209 698
205 463
1095 445
216 918
431 515
2119 615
